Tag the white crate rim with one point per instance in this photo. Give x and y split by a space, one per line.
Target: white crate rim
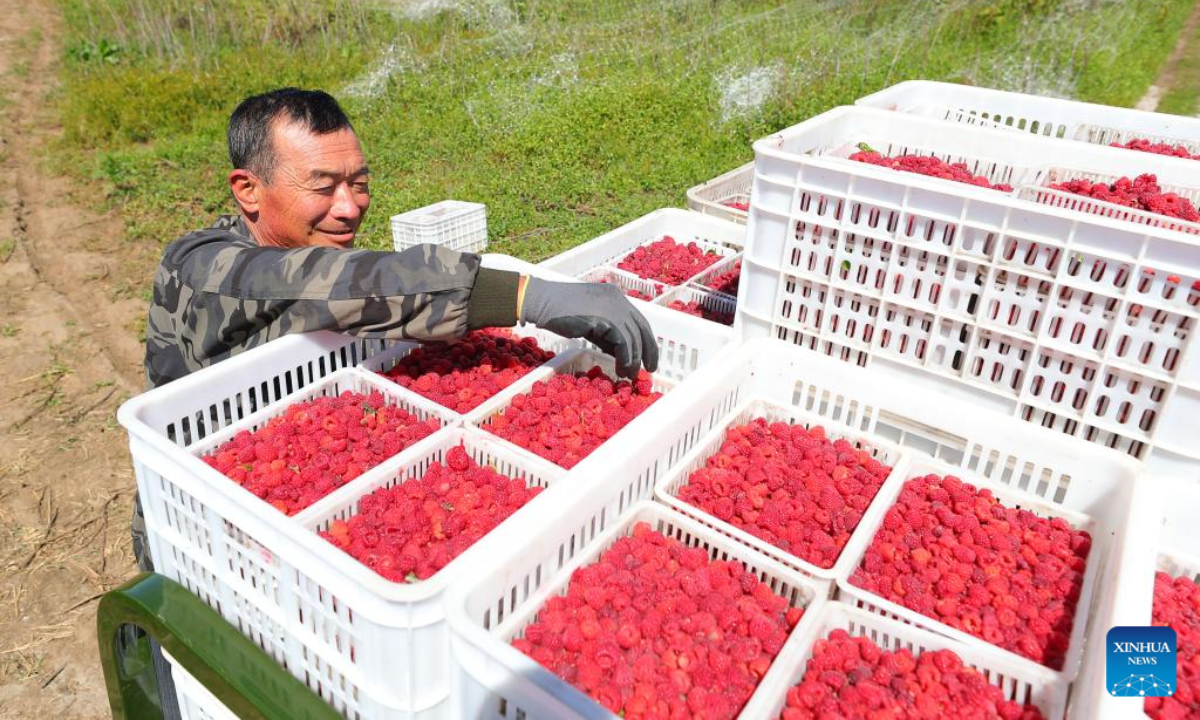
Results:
710 197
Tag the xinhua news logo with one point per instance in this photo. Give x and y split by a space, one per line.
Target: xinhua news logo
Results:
1141 661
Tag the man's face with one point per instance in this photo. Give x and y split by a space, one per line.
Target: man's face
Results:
319 193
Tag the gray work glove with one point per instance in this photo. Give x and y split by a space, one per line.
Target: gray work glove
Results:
597 312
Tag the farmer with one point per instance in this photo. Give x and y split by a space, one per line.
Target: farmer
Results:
286 263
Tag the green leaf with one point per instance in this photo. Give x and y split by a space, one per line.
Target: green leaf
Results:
412 578
846 265
866 148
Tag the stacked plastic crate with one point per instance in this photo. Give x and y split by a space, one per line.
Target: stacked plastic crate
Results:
1000 330
372 647
963 300
1072 320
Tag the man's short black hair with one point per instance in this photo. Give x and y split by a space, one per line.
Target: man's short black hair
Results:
249 132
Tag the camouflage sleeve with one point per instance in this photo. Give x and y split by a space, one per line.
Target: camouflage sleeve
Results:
217 293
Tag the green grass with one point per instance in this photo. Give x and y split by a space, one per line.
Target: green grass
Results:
567 118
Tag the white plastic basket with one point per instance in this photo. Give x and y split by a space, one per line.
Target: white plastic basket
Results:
453 224
1019 683
682 225
1041 312
1009 497
667 489
714 196
1042 193
498 681
706 299
1045 116
705 279
1060 470
397 633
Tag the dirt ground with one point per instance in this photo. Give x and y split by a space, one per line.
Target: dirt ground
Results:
71 309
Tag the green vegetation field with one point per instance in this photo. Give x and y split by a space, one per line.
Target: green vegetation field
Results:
567 117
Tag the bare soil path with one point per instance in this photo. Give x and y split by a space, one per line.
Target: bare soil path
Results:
70 310
1167 79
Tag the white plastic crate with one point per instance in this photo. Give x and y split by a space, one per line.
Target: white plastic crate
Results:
453 224
1063 474
714 197
1073 321
718 304
1062 471
1169 542
498 681
667 489
1018 682
195 701
386 645
1045 116
396 633
682 225
1042 193
1009 497
262 571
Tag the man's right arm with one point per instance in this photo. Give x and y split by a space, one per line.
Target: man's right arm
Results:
425 292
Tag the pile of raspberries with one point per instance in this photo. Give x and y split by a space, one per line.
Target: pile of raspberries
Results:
566 417
927 165
668 261
952 552
790 486
1150 146
1141 193
702 311
852 677
1177 605
408 532
655 629
464 374
315 447
726 282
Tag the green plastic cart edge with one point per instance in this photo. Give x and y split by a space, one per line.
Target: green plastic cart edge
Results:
236 671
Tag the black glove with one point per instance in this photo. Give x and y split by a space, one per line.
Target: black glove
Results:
597 312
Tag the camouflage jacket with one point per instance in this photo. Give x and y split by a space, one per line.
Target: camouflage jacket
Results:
217 293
